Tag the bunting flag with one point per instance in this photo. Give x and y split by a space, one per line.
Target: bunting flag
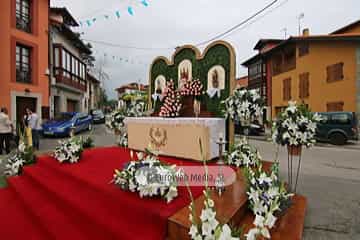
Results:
131 11
117 14
145 3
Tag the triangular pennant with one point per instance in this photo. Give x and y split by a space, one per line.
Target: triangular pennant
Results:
145 3
106 16
94 19
131 11
88 22
117 13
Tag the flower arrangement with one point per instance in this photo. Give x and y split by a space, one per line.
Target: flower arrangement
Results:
267 199
192 88
243 154
296 126
14 165
149 177
24 155
243 105
69 150
123 139
116 119
172 104
208 227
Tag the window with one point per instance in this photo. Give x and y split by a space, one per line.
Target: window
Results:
289 59
284 61
341 119
23 13
304 85
72 68
57 57
335 72
324 118
23 64
335 106
255 70
276 64
303 49
287 89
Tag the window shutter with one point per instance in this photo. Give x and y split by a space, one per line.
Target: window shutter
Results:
335 72
287 89
304 85
335 106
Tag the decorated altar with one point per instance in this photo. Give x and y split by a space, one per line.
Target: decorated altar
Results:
176 137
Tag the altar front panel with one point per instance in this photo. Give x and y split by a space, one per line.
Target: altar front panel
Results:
178 137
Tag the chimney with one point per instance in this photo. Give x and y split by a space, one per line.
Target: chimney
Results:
306 32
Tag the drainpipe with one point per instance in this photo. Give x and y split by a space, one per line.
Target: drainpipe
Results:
50 58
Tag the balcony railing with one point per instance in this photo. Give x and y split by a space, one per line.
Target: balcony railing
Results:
23 76
23 24
70 80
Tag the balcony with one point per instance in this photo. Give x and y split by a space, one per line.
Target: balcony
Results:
70 80
23 76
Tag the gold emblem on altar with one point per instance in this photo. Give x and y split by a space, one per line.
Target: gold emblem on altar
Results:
158 136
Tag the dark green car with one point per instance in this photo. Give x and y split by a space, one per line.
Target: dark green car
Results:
338 127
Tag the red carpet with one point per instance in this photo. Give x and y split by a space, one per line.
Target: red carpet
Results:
62 201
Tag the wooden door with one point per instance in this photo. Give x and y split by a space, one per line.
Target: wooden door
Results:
71 105
21 104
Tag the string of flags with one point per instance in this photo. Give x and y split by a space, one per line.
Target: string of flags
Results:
121 59
117 14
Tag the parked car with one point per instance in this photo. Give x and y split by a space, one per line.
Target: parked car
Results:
65 122
254 129
98 116
338 127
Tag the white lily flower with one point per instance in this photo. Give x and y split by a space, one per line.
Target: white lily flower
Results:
193 231
252 234
207 214
270 220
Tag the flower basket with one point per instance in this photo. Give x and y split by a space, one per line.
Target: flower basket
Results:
294 150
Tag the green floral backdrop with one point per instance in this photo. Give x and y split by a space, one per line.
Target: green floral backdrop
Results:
217 55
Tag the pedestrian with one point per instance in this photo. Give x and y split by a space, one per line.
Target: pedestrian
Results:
6 129
34 124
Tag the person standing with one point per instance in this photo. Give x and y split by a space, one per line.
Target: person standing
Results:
34 124
5 131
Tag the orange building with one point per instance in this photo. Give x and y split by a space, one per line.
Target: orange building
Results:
24 80
242 82
322 71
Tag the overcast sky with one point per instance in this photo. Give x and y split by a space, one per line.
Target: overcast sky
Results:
168 23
